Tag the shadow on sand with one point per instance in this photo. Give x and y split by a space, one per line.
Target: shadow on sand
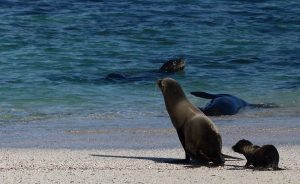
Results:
191 164
154 159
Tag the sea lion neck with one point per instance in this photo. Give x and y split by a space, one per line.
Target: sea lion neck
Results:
175 107
176 97
248 149
176 102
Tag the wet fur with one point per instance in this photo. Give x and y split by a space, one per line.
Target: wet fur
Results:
169 67
173 65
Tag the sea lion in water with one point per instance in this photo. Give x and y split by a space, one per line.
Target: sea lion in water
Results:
199 136
225 104
265 156
171 66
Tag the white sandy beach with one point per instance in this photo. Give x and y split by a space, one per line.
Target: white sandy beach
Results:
134 166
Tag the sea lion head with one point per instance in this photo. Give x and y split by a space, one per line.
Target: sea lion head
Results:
173 65
172 93
170 88
238 147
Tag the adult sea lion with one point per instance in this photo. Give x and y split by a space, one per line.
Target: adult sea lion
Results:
199 136
225 104
265 156
171 66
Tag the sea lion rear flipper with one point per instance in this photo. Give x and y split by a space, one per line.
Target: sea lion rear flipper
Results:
202 94
232 157
177 161
264 105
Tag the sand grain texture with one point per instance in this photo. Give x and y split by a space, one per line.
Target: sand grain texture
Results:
134 166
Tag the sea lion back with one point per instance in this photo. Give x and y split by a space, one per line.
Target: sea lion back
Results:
267 156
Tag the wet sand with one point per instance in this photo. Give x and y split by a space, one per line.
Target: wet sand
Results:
157 133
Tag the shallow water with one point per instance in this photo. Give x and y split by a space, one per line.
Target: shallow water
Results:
146 131
55 56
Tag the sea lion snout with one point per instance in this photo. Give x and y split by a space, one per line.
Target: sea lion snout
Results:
159 83
178 65
233 148
240 144
163 83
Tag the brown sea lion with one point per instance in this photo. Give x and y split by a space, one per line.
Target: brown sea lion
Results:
198 134
265 156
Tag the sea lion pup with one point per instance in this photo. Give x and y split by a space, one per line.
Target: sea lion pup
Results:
199 136
265 156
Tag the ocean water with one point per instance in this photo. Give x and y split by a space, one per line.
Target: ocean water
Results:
54 57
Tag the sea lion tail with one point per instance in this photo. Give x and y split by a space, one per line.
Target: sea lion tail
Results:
232 157
202 94
264 105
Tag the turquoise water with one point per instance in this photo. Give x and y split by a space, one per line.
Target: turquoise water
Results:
54 57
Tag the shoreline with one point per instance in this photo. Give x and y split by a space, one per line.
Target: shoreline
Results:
91 152
143 132
135 166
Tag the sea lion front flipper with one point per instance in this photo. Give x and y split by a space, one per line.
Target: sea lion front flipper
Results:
205 95
182 140
187 157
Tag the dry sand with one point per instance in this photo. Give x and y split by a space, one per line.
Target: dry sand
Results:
134 166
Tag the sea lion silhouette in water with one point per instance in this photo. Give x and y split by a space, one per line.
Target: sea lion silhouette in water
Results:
225 104
265 156
199 136
171 66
